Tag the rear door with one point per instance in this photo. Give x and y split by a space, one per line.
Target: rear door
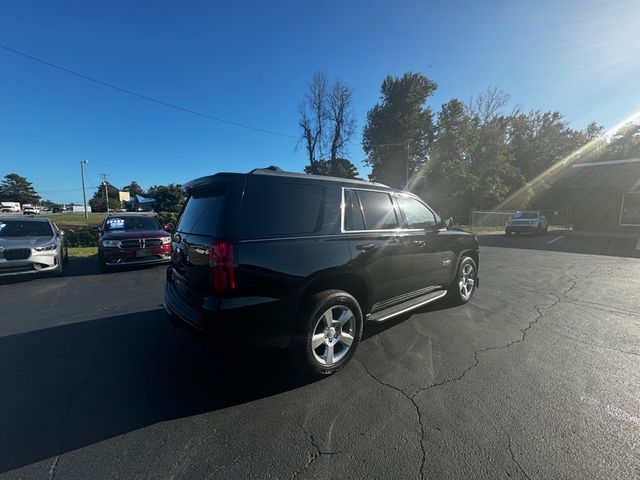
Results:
200 223
372 222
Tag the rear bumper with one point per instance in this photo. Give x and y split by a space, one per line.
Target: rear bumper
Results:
263 321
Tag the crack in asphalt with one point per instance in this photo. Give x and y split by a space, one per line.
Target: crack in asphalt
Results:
98 367
515 460
415 405
313 457
540 309
52 469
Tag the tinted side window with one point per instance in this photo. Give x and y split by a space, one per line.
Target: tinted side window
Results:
273 208
416 213
353 219
201 214
378 210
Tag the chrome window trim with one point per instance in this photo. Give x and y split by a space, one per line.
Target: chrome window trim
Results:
396 208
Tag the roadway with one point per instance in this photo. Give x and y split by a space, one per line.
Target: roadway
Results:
537 377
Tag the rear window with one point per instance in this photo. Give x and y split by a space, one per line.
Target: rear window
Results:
201 214
378 210
274 208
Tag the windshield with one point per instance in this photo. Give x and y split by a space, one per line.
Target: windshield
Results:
18 228
112 224
525 215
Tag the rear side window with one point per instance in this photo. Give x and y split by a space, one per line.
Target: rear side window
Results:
273 208
378 210
202 212
353 219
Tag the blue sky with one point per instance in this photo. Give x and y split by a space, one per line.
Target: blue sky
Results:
250 62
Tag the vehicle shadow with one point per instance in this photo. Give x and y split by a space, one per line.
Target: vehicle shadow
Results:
70 386
563 241
77 267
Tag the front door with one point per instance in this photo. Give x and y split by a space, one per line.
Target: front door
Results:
431 264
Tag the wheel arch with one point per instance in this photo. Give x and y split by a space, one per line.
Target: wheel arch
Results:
349 282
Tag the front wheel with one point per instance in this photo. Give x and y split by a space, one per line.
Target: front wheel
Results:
328 332
464 285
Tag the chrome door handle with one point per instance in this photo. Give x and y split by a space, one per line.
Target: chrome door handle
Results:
366 247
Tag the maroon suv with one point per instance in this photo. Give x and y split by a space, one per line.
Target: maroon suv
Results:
132 240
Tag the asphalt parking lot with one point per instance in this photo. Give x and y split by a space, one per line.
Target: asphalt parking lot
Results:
538 377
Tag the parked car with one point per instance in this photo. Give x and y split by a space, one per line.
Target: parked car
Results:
56 210
31 245
127 240
31 211
526 222
9 207
302 261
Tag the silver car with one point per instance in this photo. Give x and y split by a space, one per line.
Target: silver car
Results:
31 245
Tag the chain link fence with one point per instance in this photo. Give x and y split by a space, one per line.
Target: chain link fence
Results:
559 217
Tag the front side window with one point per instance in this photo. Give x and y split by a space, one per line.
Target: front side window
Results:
378 210
417 215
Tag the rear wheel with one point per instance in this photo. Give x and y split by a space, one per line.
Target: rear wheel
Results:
328 333
464 285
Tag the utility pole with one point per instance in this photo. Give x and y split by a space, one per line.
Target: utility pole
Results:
106 191
84 192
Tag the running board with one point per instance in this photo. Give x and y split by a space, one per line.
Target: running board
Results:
404 307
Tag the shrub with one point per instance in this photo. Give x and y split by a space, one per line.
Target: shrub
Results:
81 236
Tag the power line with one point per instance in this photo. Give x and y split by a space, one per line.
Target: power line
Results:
146 97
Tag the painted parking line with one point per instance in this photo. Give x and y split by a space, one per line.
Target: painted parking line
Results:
555 239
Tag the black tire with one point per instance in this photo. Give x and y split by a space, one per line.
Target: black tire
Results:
59 271
66 256
546 229
312 321
455 295
104 268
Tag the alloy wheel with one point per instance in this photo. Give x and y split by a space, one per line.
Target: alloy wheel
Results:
333 335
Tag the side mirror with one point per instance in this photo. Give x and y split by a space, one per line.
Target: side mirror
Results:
448 222
61 233
168 227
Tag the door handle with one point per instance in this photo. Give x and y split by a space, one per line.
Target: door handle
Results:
366 247
420 243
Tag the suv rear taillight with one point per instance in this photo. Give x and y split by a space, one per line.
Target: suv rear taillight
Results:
221 272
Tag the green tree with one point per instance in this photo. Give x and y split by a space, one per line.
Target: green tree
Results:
15 188
168 198
99 203
341 167
449 178
399 130
134 189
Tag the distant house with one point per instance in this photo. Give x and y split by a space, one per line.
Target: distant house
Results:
605 196
139 204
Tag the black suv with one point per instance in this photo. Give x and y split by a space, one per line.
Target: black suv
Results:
303 261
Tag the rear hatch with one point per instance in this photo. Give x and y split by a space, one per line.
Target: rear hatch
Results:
199 230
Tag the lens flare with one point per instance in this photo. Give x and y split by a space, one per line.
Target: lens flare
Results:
515 199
